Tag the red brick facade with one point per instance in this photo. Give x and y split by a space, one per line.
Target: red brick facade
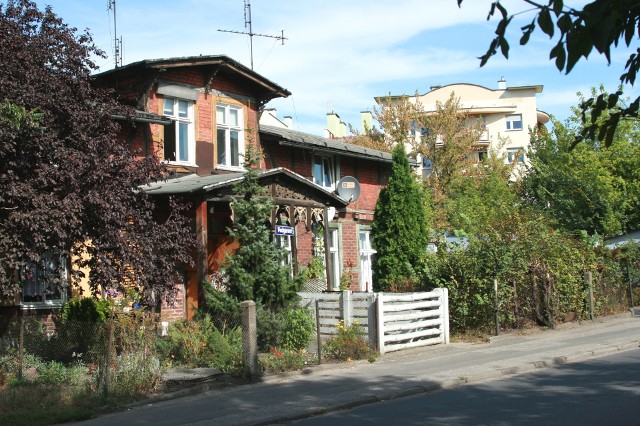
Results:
231 84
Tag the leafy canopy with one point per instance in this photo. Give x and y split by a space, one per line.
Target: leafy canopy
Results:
599 25
67 183
588 188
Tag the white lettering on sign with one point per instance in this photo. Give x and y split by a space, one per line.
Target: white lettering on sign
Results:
284 230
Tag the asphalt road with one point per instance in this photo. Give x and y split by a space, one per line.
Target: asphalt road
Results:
601 391
459 370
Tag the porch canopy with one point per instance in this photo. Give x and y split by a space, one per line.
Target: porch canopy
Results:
301 200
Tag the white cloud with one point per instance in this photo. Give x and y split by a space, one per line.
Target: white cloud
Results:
340 54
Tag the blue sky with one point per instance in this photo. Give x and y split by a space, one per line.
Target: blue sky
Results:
339 55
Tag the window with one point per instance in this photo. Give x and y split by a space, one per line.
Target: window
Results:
45 282
482 155
366 260
514 122
284 241
179 136
230 137
325 171
515 154
334 255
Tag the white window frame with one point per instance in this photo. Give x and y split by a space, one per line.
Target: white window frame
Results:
34 284
227 128
325 171
334 255
513 153
366 253
514 122
284 242
181 123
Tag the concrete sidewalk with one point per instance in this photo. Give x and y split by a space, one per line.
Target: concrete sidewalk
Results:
332 387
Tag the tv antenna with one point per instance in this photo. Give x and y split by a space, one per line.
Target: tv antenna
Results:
247 25
117 43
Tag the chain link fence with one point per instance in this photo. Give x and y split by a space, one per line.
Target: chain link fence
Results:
117 356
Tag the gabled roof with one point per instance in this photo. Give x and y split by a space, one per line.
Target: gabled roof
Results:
194 184
221 65
297 139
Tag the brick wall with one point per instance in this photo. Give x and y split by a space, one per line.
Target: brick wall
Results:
176 310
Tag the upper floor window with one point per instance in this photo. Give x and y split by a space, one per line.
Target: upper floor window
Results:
46 281
325 171
515 154
179 136
230 143
514 122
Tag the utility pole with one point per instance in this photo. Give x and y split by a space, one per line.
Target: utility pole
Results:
248 25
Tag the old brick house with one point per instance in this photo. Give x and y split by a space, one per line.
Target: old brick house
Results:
199 114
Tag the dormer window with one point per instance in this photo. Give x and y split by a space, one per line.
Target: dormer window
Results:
179 136
325 171
230 136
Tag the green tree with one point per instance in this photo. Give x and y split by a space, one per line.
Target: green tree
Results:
400 228
599 25
255 270
481 200
587 188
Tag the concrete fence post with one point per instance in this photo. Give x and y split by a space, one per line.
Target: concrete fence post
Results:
345 307
249 338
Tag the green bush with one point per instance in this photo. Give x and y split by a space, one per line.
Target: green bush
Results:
86 309
198 343
349 344
299 327
270 328
291 328
52 373
134 374
279 360
56 373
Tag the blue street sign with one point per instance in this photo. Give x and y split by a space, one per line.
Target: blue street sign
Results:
284 230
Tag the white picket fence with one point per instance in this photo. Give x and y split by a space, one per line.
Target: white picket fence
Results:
392 321
412 319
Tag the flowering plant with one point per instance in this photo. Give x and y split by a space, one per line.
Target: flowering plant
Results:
279 360
348 344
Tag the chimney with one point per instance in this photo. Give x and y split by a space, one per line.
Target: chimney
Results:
288 121
502 84
333 124
366 119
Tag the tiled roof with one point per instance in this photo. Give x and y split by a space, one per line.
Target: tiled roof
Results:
339 146
190 184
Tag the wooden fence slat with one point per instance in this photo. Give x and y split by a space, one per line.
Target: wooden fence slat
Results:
411 336
411 305
425 342
413 325
412 315
410 297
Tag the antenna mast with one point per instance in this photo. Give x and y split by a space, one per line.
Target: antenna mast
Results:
117 43
247 24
